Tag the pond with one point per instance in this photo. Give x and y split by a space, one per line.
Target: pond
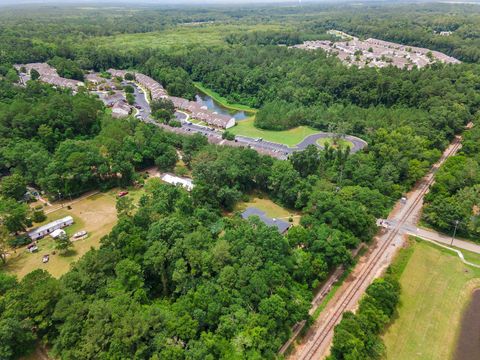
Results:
468 343
211 104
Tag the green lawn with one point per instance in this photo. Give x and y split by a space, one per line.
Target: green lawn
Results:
271 209
436 287
288 137
222 101
206 35
96 214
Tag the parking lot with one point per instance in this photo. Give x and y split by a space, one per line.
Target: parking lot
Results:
214 135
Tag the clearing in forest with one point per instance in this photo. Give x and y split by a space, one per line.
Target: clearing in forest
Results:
206 35
271 209
436 288
96 214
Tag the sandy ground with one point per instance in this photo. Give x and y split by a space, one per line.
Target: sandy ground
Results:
95 214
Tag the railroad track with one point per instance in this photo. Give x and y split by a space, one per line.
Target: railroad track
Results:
364 277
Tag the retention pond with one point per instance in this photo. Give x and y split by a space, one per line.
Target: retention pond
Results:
468 344
212 105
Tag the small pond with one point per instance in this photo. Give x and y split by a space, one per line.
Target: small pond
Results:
468 343
212 105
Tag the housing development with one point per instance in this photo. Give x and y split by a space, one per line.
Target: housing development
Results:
242 180
377 53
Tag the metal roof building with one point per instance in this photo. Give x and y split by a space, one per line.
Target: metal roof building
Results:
46 229
282 226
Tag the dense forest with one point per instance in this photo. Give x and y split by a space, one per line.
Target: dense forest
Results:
455 196
176 279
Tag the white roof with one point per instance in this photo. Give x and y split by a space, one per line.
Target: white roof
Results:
57 233
172 179
48 226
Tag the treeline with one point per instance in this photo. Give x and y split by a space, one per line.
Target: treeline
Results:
455 196
67 145
174 279
412 25
286 38
357 336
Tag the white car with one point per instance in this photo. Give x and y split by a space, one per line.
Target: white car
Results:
79 234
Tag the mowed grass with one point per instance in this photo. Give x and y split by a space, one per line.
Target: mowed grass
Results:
271 209
436 287
206 35
287 137
96 214
222 101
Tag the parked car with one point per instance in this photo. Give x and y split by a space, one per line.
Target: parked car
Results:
79 234
45 258
122 193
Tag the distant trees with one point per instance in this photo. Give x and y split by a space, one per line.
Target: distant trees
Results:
129 76
130 98
129 89
34 74
67 68
163 110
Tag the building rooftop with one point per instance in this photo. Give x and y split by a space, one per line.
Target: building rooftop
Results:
177 180
282 226
378 53
50 225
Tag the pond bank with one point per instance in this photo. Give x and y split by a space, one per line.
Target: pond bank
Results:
468 344
222 102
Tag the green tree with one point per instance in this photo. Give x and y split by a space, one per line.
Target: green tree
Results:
14 215
34 74
63 243
13 186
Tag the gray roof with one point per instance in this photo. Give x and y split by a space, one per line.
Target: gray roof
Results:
281 225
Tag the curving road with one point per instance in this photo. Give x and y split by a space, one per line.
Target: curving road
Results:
277 150
358 144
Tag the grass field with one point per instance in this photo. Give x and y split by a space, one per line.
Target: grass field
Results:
436 287
222 101
206 35
96 214
342 142
271 209
288 137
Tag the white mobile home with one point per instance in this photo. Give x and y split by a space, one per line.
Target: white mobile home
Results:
177 180
46 229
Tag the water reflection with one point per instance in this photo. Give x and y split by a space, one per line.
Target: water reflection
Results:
207 101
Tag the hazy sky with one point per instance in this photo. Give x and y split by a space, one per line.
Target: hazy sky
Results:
169 2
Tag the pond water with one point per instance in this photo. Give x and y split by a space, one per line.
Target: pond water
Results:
468 344
211 104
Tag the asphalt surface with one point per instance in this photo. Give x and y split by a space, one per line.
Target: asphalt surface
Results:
215 135
405 215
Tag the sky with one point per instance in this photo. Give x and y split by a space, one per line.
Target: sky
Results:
202 2
159 2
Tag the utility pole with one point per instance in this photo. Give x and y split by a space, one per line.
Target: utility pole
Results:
454 231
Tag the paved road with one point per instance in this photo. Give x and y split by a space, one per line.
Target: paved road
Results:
406 214
443 239
358 144
215 135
